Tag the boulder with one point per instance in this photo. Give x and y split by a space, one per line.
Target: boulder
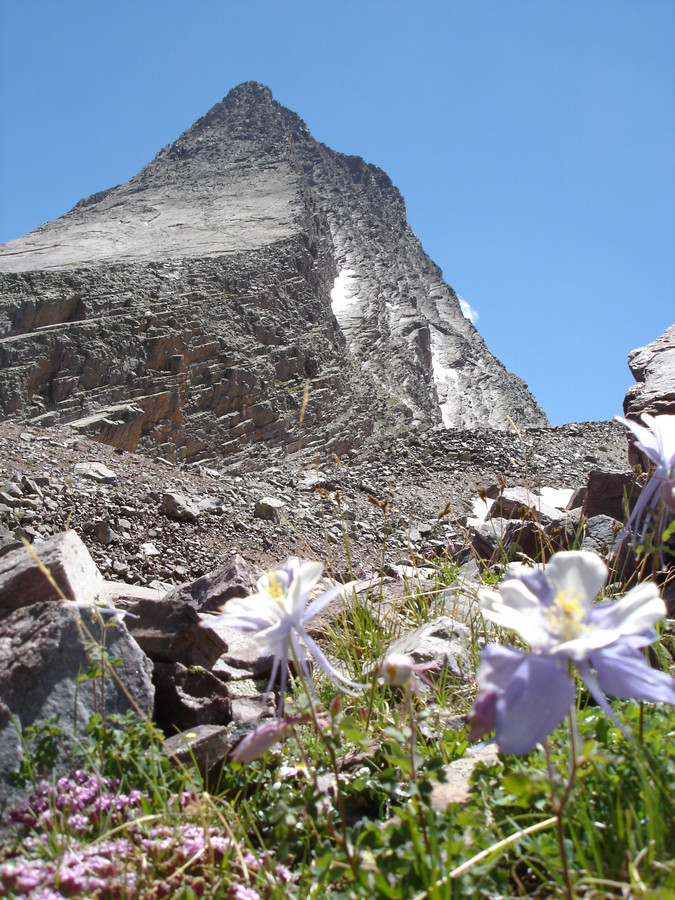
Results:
96 471
605 493
170 631
210 592
179 507
206 745
269 508
519 503
22 582
42 656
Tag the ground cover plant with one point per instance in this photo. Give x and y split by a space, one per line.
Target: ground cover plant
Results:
336 796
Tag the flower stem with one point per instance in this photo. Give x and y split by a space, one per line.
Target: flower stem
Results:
558 805
418 804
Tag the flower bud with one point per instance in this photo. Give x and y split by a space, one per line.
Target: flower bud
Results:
397 669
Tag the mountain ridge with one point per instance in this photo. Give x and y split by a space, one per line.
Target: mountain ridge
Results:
246 185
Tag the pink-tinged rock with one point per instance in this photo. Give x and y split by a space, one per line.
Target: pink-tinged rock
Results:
517 503
22 583
212 591
169 631
605 494
124 595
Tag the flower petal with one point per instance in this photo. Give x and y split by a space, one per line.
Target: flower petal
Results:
323 600
640 609
535 581
623 672
260 740
326 666
584 670
308 575
536 700
521 612
498 664
579 571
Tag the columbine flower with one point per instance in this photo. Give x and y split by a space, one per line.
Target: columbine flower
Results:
525 695
657 442
277 615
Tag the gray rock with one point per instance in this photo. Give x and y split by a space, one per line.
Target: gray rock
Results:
179 507
601 535
72 568
7 541
269 508
96 471
653 368
205 745
41 659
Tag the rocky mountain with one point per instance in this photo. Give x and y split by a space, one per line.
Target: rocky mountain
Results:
183 312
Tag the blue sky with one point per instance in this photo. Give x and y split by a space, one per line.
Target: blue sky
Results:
533 141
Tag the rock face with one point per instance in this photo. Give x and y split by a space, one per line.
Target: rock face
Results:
653 368
182 312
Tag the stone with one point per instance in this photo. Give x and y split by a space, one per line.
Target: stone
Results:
123 595
170 631
457 785
525 538
8 541
205 745
442 641
186 698
242 657
96 471
179 507
605 493
601 535
41 660
653 368
269 508
211 505
576 501
22 582
212 591
516 503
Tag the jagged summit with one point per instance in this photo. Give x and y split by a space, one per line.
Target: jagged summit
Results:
269 256
224 185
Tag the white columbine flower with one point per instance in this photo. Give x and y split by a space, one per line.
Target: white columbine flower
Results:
277 615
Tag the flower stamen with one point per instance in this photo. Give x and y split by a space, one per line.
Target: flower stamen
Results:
565 616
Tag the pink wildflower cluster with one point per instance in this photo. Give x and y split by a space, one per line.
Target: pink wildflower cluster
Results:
77 802
146 864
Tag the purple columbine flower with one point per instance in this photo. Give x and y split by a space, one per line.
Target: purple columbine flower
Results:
524 696
657 442
277 615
